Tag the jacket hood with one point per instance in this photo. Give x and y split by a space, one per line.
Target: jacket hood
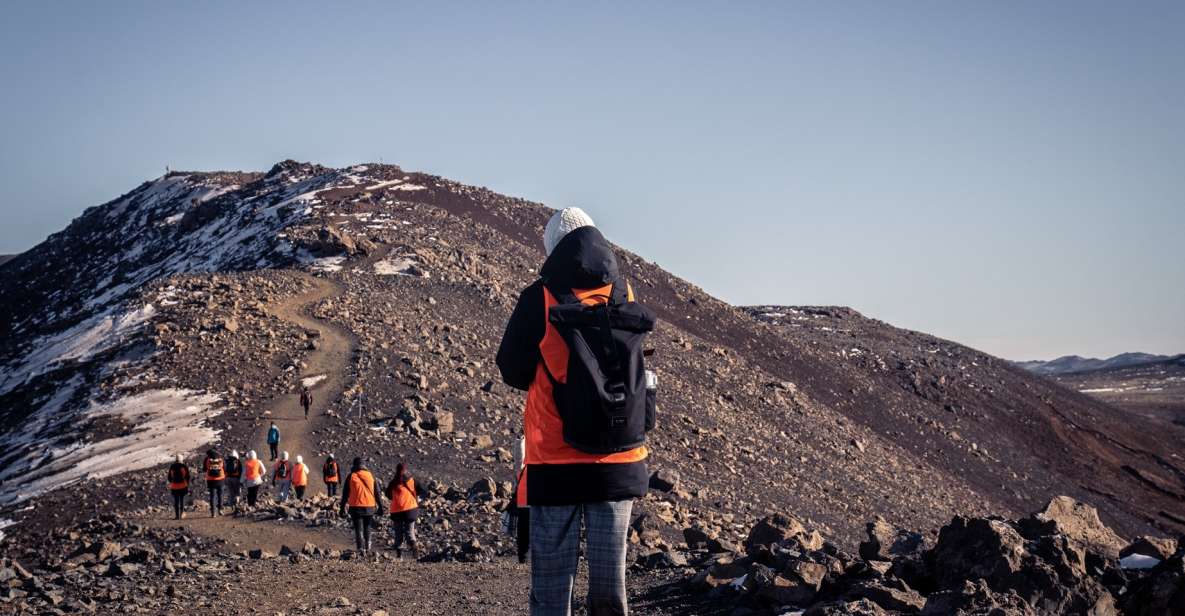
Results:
582 260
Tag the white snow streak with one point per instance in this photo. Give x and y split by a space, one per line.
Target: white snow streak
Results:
79 343
167 422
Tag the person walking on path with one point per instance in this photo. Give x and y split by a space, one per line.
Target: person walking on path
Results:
215 469
362 498
405 508
234 479
522 509
178 478
273 440
282 478
330 475
300 477
577 327
253 473
306 400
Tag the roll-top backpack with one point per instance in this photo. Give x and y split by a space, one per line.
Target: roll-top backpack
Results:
603 401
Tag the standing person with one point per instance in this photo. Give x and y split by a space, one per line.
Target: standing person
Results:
580 467
300 477
215 470
405 508
178 478
273 440
282 478
522 509
234 479
306 400
253 472
330 475
360 493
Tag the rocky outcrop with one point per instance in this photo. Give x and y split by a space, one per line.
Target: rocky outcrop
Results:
1058 561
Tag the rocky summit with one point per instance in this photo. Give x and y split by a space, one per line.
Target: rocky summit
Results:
806 458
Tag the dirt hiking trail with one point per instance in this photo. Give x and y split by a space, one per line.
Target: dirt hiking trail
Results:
330 360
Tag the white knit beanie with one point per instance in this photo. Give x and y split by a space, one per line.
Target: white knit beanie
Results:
562 223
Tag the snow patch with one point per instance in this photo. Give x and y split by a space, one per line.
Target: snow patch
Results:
328 264
309 381
399 266
79 343
1138 561
166 422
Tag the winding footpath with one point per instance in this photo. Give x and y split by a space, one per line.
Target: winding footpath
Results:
330 359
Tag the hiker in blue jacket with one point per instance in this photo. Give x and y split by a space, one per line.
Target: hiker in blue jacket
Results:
273 440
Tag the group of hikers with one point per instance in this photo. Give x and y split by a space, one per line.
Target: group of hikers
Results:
361 498
574 344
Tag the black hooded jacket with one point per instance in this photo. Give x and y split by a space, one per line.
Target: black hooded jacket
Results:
583 259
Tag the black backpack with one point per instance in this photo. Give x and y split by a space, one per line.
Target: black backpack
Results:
604 403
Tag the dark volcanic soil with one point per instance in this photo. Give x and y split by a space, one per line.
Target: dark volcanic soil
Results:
818 412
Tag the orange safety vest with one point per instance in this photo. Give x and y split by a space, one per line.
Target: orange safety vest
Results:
362 489
330 472
183 481
300 475
542 424
404 497
520 498
214 469
253 470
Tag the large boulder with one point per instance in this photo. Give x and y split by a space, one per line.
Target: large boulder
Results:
779 591
886 542
664 480
1078 521
860 607
334 241
895 597
1156 547
441 421
976 599
1162 593
771 530
1049 572
977 548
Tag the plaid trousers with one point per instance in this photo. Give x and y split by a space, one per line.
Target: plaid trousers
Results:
555 543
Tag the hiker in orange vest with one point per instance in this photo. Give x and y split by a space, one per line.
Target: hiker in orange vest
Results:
405 508
178 478
253 473
574 343
361 494
330 475
300 477
215 471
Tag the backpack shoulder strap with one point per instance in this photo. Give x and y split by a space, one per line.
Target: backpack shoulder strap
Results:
620 293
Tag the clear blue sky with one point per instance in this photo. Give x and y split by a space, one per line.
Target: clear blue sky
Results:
1010 175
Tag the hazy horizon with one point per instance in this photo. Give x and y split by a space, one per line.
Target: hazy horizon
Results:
1007 176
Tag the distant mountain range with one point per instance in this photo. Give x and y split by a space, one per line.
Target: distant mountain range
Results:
1069 364
6 258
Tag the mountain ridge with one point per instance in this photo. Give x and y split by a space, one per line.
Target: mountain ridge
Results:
831 414
1070 364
